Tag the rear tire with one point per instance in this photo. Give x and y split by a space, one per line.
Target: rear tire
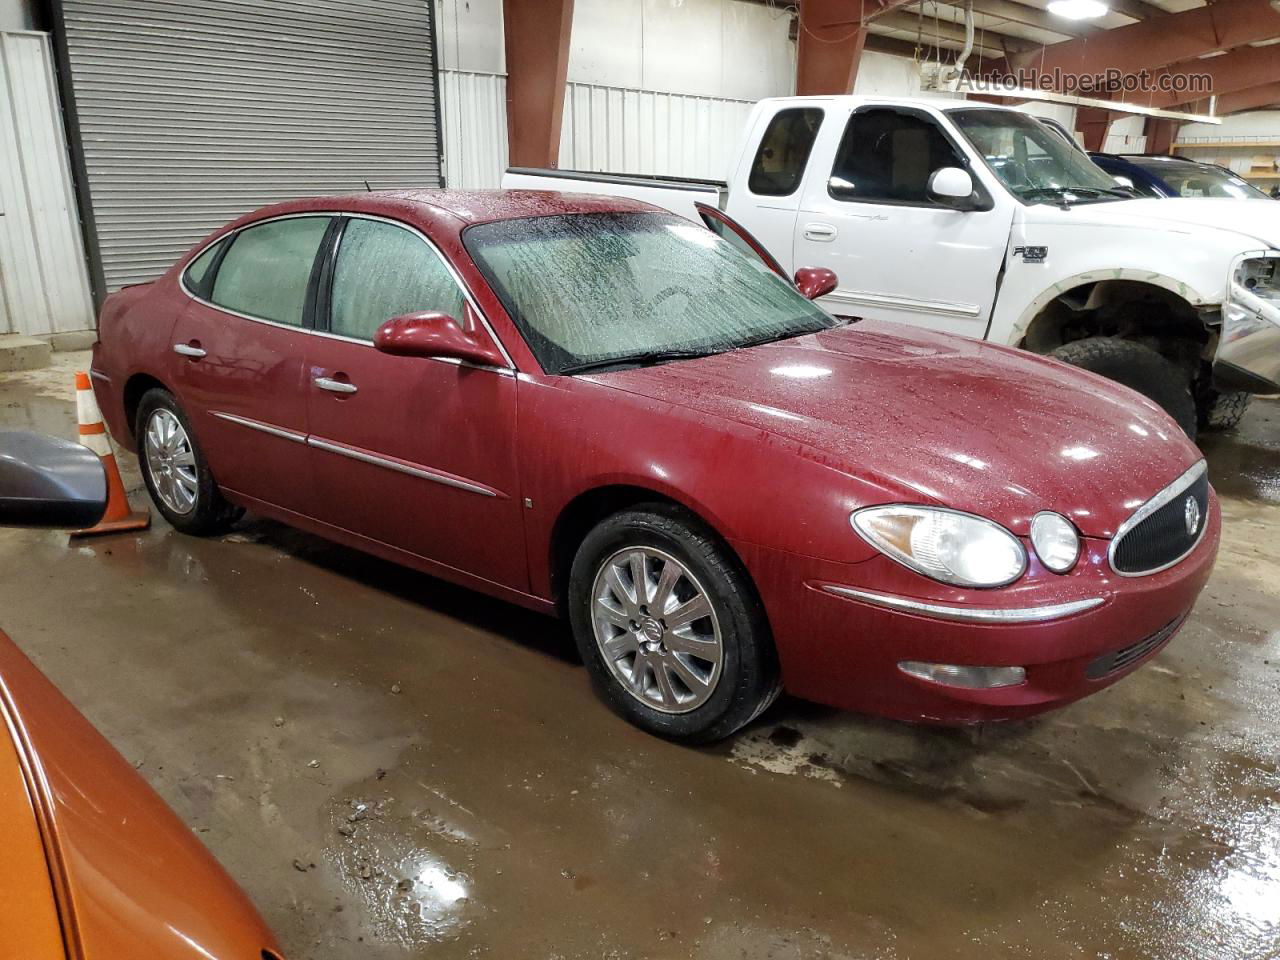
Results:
685 678
175 470
1223 411
1139 368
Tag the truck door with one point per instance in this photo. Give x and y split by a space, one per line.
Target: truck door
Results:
899 253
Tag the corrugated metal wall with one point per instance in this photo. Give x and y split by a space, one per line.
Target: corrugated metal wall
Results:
605 128
641 131
44 287
192 113
473 108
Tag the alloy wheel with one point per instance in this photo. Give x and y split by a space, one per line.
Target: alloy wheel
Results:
657 629
171 462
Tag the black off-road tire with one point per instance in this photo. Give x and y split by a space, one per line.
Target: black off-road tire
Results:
211 513
1223 411
749 679
1139 368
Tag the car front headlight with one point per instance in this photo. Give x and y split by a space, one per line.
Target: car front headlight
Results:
1056 541
945 545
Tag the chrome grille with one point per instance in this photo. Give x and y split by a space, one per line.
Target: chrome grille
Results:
1165 528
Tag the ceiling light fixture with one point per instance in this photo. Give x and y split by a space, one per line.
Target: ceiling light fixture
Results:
1078 9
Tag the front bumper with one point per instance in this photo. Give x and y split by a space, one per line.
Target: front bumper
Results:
1248 354
844 650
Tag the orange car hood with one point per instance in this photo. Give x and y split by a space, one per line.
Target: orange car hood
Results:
121 874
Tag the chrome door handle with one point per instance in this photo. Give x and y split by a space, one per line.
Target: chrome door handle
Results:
186 350
822 232
334 386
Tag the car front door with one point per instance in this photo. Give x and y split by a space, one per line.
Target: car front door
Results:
899 253
238 357
416 453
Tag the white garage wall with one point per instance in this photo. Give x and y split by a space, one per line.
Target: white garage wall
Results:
1256 125
1125 135
655 86
882 75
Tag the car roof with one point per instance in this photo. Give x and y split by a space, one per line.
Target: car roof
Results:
939 102
452 209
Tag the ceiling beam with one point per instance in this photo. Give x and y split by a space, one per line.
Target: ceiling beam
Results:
1137 9
1033 17
1159 41
927 28
897 47
1239 69
1255 98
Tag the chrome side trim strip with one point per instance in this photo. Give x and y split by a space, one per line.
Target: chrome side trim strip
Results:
281 432
1172 491
99 375
1055 611
867 299
421 472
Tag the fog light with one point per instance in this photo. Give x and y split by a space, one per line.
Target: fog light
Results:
958 675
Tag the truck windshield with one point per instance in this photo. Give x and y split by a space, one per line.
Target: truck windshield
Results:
601 290
1033 161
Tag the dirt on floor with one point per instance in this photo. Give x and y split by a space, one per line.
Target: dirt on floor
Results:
393 767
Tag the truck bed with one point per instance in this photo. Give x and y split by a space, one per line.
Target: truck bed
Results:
677 194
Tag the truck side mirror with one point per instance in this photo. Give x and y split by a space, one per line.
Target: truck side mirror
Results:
815 282
952 187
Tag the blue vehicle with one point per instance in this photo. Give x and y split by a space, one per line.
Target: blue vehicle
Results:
1158 176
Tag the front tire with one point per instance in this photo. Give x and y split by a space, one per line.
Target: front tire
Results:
669 626
1138 367
1223 411
175 470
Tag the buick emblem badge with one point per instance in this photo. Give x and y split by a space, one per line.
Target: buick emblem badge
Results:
1191 513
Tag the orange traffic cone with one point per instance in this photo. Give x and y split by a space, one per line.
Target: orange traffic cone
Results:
93 434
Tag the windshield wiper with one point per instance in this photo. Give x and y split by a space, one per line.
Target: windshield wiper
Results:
1061 192
645 359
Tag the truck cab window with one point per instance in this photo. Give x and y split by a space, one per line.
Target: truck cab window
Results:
783 152
886 156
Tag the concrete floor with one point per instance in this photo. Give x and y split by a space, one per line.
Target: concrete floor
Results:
396 768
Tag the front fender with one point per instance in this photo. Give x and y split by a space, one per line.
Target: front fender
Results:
1195 296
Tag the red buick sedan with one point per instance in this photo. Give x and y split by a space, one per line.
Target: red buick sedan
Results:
591 407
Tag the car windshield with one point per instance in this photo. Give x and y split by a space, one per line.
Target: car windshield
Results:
1188 179
1033 161
600 290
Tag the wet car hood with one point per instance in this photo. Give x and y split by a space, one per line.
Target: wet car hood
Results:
943 419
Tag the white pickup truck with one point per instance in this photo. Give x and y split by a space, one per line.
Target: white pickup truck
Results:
982 221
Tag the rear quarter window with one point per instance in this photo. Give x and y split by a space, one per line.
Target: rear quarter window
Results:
783 153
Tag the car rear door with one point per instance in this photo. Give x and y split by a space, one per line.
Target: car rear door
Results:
415 453
239 350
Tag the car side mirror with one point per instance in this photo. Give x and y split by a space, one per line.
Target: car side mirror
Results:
49 482
815 282
434 334
952 187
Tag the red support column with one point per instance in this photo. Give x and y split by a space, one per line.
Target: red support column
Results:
828 47
1160 133
537 41
1094 122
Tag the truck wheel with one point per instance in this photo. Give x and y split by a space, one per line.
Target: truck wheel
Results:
1223 411
669 627
1139 368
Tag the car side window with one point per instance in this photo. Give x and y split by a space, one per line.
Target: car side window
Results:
266 271
888 156
784 151
197 275
385 271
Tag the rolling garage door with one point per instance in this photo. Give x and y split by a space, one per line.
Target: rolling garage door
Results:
192 112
